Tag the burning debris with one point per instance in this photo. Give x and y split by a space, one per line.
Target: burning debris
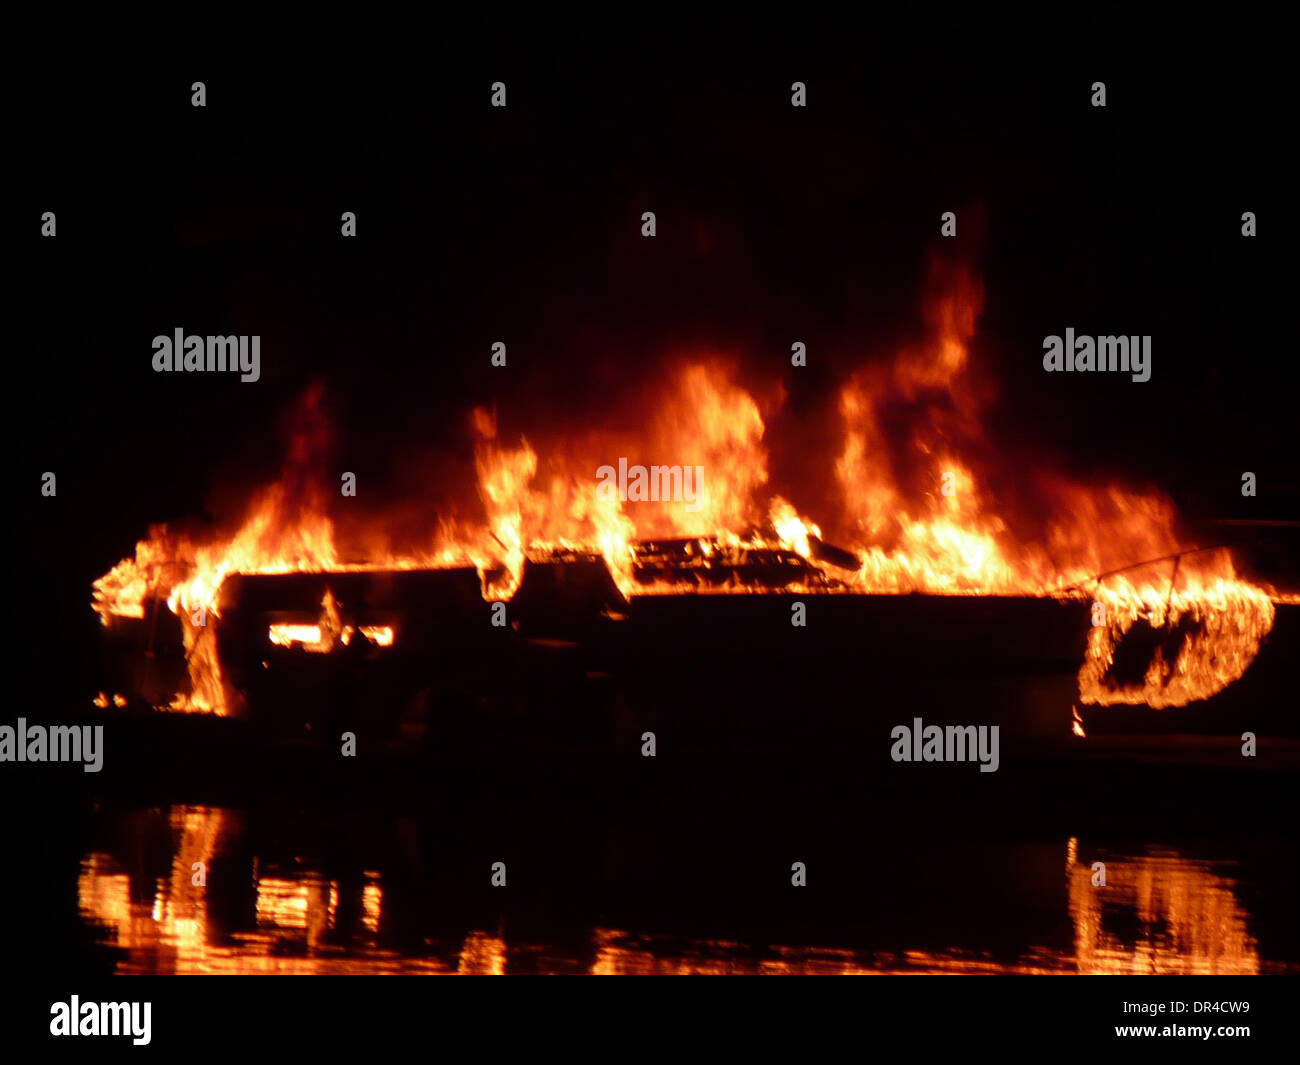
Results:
705 564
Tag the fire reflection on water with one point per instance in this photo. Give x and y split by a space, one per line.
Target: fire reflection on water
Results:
1158 912
1184 919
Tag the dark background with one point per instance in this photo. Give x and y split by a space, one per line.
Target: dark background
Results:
477 224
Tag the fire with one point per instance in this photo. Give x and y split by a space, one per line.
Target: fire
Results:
706 422
313 638
288 635
1228 620
922 507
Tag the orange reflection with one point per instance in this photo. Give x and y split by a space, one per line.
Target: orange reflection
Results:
483 955
1158 912
169 933
1186 916
308 905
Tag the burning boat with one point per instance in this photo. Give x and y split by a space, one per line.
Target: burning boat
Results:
712 642
731 610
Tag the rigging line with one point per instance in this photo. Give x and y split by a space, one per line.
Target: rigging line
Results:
1137 565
